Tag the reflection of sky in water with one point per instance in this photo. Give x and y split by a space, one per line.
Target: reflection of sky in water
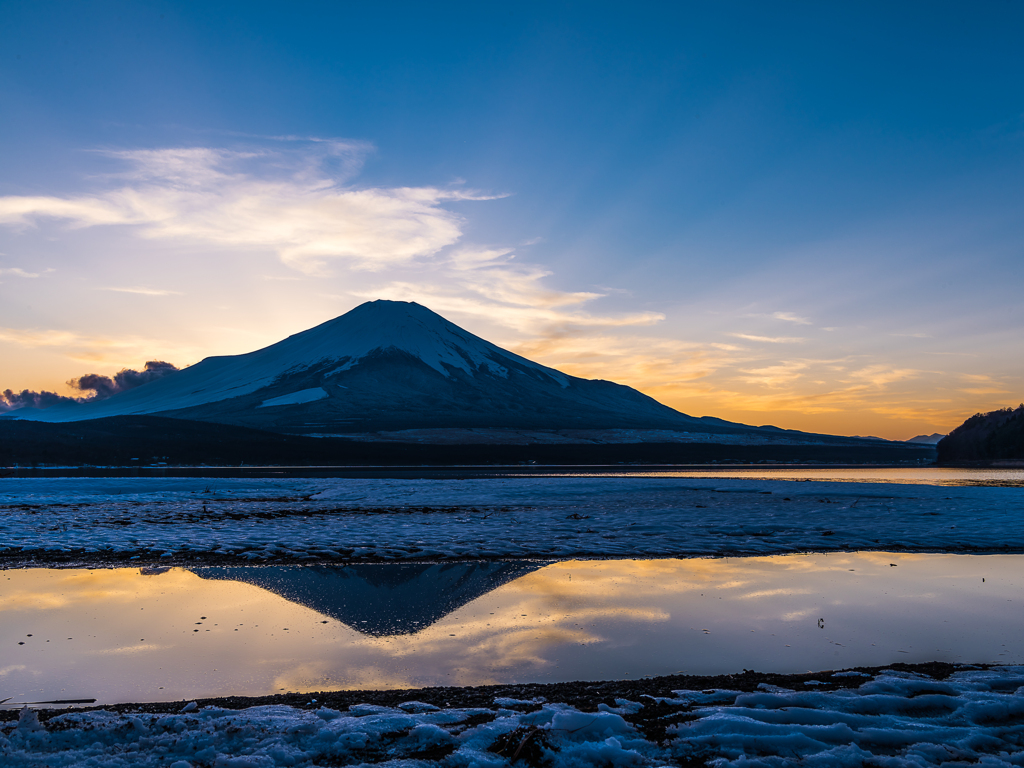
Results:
179 635
1013 478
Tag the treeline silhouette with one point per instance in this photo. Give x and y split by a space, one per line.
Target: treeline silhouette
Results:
134 441
994 436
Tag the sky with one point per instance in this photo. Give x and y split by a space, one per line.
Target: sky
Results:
807 215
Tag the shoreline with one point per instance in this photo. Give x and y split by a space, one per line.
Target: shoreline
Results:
49 560
581 694
446 471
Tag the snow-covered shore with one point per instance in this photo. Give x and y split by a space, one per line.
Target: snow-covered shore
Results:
263 520
891 718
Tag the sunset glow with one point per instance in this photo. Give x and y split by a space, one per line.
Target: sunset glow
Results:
772 217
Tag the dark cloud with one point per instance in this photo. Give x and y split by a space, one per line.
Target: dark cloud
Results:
101 387
10 401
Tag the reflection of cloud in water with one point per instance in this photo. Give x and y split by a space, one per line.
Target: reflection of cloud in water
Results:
132 649
379 599
480 623
55 590
773 593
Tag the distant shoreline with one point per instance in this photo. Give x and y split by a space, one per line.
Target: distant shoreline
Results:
446 471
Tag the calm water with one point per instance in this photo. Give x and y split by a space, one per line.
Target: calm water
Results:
131 635
914 475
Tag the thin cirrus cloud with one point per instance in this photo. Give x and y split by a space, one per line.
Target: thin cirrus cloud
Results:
490 284
144 291
642 361
789 317
786 317
17 272
94 348
786 372
282 201
769 339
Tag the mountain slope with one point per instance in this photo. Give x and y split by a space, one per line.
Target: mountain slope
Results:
387 366
384 365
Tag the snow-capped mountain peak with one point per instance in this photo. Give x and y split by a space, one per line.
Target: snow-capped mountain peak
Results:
392 367
331 348
404 326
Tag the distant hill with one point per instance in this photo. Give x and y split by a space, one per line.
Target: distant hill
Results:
994 436
931 439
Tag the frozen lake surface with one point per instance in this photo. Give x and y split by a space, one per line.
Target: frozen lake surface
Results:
83 520
161 634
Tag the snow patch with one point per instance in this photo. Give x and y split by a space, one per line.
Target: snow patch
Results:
302 396
896 719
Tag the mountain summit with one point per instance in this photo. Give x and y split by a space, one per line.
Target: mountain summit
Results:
386 365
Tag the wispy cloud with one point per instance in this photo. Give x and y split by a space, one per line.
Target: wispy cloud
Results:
982 384
491 284
145 291
95 348
789 317
786 317
775 375
42 338
768 339
880 375
17 272
280 201
641 361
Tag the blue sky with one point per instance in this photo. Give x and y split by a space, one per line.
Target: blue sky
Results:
788 214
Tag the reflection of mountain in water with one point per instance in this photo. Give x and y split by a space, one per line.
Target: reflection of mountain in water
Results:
379 598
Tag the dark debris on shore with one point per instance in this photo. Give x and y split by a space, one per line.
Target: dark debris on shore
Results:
583 695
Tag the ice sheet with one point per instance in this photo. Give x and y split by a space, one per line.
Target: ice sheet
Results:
509 517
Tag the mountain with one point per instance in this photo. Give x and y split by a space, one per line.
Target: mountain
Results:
379 599
387 365
931 439
986 437
393 371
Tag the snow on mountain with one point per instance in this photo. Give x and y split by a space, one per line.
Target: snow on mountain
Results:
295 398
339 344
